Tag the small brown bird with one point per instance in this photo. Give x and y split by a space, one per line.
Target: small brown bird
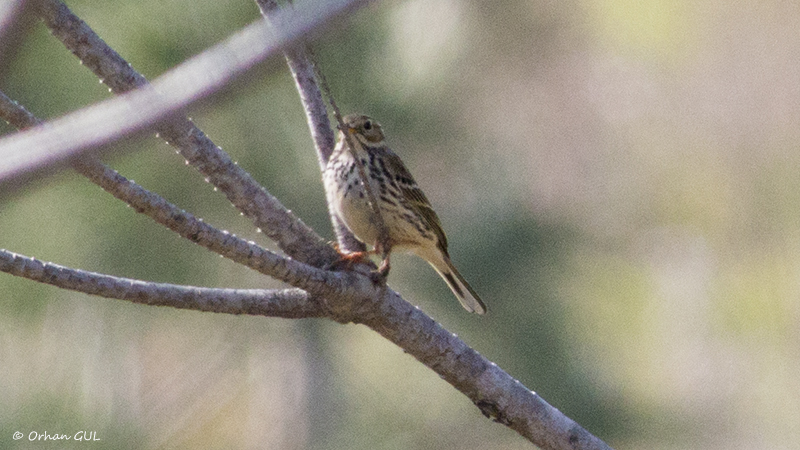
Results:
410 222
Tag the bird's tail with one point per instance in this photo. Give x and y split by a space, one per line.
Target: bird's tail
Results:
463 291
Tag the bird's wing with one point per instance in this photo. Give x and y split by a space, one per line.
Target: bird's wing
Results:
415 198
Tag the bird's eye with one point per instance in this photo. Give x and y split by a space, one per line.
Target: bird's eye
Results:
368 125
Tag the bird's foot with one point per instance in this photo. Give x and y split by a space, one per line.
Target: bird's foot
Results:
359 262
350 260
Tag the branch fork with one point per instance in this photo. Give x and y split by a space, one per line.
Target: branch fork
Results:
343 296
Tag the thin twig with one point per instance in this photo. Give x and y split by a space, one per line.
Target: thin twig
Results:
288 303
15 114
303 73
372 198
310 95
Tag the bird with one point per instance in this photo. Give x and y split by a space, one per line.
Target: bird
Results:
406 217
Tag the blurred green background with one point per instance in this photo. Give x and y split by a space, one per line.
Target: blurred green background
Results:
618 179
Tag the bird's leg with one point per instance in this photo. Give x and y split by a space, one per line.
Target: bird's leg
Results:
355 257
350 260
385 251
383 269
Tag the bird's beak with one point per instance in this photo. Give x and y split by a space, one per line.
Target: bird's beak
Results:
351 130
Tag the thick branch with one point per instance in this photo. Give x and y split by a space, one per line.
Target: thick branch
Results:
192 80
498 395
279 224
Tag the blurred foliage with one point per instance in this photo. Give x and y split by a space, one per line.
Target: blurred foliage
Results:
618 179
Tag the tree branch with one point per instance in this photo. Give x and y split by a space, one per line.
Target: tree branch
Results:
350 296
190 81
498 395
165 213
267 213
143 201
302 69
288 303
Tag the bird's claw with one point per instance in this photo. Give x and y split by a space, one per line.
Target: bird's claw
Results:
360 262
